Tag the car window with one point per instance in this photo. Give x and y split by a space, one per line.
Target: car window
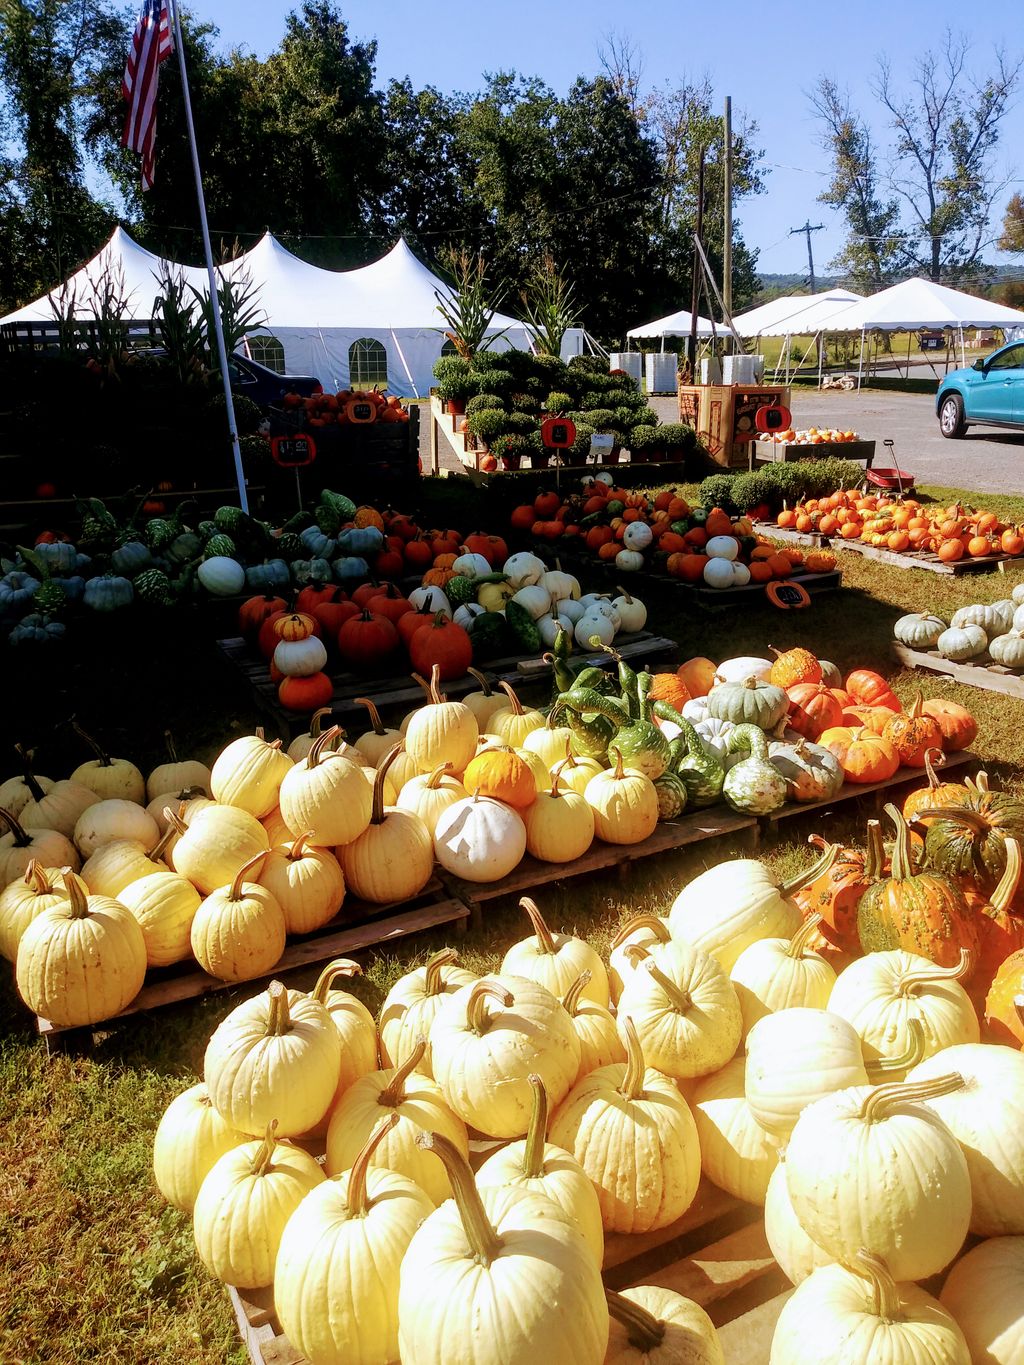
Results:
1010 359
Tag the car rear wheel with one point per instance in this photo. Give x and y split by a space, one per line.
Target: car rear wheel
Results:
951 417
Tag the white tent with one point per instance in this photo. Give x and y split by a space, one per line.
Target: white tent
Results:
793 314
676 325
385 312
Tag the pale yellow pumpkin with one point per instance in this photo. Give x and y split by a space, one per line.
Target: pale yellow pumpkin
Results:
378 740
535 1165
277 830
600 1044
419 1106
429 795
307 883
575 771
985 1293
108 820
215 844
110 778
17 792
327 796
176 774
116 865
486 1041
174 800
244 1205
484 703
248 774
336 1274
441 731
684 1009
238 932
165 904
736 1152
779 973
796 1254
59 807
401 772
642 930
734 904
275 1055
21 901
655 1326
186 810
82 960
355 1026
795 1057
20 846
555 959
301 744
393 858
560 824
876 1168
624 802
549 743
468 1263
986 1116
412 1005
512 723
190 1138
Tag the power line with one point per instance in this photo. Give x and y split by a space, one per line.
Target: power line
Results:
808 229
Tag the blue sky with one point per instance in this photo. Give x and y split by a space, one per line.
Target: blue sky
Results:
766 56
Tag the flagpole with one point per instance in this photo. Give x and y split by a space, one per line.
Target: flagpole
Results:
222 354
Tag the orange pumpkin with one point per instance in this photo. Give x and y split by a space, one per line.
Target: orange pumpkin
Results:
863 756
820 561
934 793
794 666
499 772
1003 1017
912 734
841 880
813 708
958 726
368 516
697 676
692 568
718 523
671 688
1000 931
871 689
438 578
950 551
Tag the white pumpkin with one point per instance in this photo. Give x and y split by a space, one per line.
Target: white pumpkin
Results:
106 821
718 573
796 1254
778 973
472 566
599 601
420 597
571 608
479 839
523 569
742 667
637 536
985 1293
560 586
534 599
221 576
993 617
795 1057
467 614
962 642
722 547
591 624
735 1151
300 658
740 575
632 612
630 561
549 626
714 736
732 905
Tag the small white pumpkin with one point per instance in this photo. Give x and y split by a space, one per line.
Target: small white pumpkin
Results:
479 839
472 566
560 586
718 573
632 612
524 569
549 626
432 598
962 642
630 561
742 667
796 1254
221 576
534 599
591 624
106 821
637 536
467 614
1008 649
722 547
300 658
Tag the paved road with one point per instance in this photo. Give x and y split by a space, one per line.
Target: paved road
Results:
988 460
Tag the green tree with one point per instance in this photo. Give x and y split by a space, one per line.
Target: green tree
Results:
876 249
1012 237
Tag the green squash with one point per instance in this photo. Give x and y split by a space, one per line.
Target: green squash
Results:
749 702
700 772
969 840
672 798
753 786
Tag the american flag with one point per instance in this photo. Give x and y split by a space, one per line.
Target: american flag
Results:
152 43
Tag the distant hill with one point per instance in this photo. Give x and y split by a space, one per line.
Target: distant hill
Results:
774 285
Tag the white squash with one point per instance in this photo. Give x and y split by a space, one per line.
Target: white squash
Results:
796 1254
985 1293
795 1057
632 612
106 821
524 569
479 839
778 973
732 905
735 1152
742 667
534 599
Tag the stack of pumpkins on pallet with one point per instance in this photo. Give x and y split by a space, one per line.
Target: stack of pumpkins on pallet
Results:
852 1098
995 628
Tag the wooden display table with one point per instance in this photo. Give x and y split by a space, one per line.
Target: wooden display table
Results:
723 416
778 452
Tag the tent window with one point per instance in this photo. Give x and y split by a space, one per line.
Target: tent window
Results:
449 348
367 363
267 350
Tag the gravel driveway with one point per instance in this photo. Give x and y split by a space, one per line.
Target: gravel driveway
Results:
988 460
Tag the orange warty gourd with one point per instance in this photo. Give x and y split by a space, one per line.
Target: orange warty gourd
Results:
1004 1004
958 726
912 734
934 793
1000 931
670 687
840 883
794 666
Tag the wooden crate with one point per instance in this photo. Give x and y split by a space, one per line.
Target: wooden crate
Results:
982 672
715 1254
398 693
712 599
360 926
766 452
902 559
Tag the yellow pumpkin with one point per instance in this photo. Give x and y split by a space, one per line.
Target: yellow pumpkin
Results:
442 731
393 858
560 824
736 1153
20 846
378 740
114 866
624 802
555 959
326 796
215 844
356 1029
59 807
796 1254
795 1057
412 1004
238 932
306 882
190 1138
512 723
248 774
108 777
164 904
110 820
21 901
778 973
655 1326
600 1044
429 795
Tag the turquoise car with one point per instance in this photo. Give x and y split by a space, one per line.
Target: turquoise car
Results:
990 393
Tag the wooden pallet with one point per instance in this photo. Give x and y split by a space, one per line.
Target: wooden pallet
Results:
716 599
981 672
716 823
902 559
360 926
399 693
715 1254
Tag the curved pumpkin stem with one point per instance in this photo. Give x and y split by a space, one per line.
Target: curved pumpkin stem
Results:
393 1093
878 1105
22 838
102 757
514 704
378 817
910 1058
434 780
160 847
902 867
680 1000
545 939
619 771
1004 893
433 980
35 876
357 1203
644 1331
556 773
657 926
341 966
297 848
812 873
320 743
235 894
961 815
279 1021
27 775
436 695
795 948
264 1157
316 720
632 1087
571 999
477 1018
537 1133
375 720
173 817
485 685
480 1233
885 1303
924 976
77 898
933 758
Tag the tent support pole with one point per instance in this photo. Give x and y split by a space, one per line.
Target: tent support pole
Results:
908 355
860 363
222 355
963 354
821 356
405 364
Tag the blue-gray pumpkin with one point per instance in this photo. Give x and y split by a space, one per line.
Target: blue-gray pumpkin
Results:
749 702
350 568
60 557
310 571
74 586
131 558
317 545
184 547
108 593
268 576
36 629
17 589
361 540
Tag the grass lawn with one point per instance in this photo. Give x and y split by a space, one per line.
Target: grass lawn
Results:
98 1269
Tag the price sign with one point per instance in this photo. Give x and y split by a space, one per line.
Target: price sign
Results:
557 433
293 452
787 596
359 410
774 418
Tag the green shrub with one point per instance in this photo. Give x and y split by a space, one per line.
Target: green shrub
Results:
625 417
502 382
484 400
748 490
594 398
483 361
644 438
520 422
589 364
487 423
525 402
557 401
448 366
248 416
510 444
581 445
458 386
255 452
716 491
677 434
601 419
647 418
624 380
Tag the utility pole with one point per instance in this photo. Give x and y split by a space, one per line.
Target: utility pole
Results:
727 224
808 228
695 290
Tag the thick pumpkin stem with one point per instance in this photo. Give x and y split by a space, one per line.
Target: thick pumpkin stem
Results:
644 1331
356 1199
681 1001
434 780
477 1019
320 743
433 982
341 966
874 857
885 1296
914 1054
812 873
160 847
632 1087
35 876
619 771
393 1093
316 720
799 940
378 817
513 701
22 838
485 686
297 850
235 894
971 820
878 1105
436 695
101 754
173 818
571 999
480 1234
279 1019
264 1157
1004 893
923 976
657 926
545 939
537 1133
902 867
77 898
27 775
375 720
